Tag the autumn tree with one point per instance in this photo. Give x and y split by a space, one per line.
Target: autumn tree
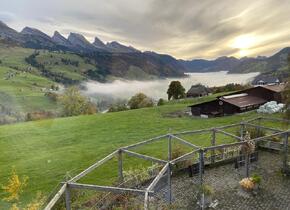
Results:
15 187
140 100
76 104
175 90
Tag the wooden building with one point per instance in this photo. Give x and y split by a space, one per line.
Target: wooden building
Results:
240 101
198 90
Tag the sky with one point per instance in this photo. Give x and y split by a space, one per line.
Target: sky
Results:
185 29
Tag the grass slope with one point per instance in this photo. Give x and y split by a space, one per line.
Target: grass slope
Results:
24 91
48 150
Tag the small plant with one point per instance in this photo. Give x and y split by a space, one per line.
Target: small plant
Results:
247 184
207 190
177 152
256 179
251 183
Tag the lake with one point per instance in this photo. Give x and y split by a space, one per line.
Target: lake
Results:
124 89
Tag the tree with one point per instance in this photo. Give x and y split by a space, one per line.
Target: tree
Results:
175 90
140 100
161 102
76 104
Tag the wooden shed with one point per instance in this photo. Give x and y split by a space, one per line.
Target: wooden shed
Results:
238 102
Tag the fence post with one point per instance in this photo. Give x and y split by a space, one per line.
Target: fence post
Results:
146 201
213 140
169 183
201 168
242 129
67 198
285 159
120 165
247 164
169 148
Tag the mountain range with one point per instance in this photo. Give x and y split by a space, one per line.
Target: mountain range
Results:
117 59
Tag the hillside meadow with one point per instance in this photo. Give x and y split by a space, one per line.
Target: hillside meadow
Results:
50 151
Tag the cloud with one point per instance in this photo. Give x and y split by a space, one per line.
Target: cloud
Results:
183 28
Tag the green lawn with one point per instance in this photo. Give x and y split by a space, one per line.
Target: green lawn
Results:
48 150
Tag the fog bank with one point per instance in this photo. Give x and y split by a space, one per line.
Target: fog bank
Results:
124 89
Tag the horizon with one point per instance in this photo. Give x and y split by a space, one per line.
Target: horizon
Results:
185 30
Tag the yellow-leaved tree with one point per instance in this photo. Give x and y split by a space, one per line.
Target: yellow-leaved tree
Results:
15 187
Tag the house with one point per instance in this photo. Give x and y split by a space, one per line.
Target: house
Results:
240 101
198 90
266 81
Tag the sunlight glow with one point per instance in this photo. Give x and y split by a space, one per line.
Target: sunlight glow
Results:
244 41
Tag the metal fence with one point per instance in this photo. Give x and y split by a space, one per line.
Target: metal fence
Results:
182 181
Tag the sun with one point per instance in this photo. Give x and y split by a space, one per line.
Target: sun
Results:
243 43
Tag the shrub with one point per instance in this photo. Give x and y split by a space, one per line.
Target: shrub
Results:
140 100
206 189
76 104
161 102
178 151
256 178
52 96
118 108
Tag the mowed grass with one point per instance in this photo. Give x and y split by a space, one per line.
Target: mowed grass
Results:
49 151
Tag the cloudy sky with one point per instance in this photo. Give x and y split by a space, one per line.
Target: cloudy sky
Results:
183 28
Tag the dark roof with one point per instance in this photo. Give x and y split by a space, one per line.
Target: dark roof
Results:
266 79
197 89
207 102
244 101
275 88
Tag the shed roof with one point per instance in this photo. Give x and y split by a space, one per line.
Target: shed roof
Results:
244 101
196 89
276 88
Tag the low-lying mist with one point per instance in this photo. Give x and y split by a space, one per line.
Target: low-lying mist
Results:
107 93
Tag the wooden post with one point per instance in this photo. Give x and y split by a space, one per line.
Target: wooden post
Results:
285 159
146 201
169 183
242 129
213 140
169 148
247 164
201 167
67 198
120 166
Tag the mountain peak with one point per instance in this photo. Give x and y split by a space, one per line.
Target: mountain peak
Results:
60 40
79 40
98 43
120 48
34 31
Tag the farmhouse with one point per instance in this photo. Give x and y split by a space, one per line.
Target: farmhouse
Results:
266 81
238 102
198 90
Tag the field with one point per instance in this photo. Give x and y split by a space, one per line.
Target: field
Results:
49 151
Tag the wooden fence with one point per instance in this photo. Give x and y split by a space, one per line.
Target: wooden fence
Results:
231 150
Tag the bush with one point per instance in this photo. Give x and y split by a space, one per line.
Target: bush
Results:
52 96
161 102
75 104
40 115
140 100
118 108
